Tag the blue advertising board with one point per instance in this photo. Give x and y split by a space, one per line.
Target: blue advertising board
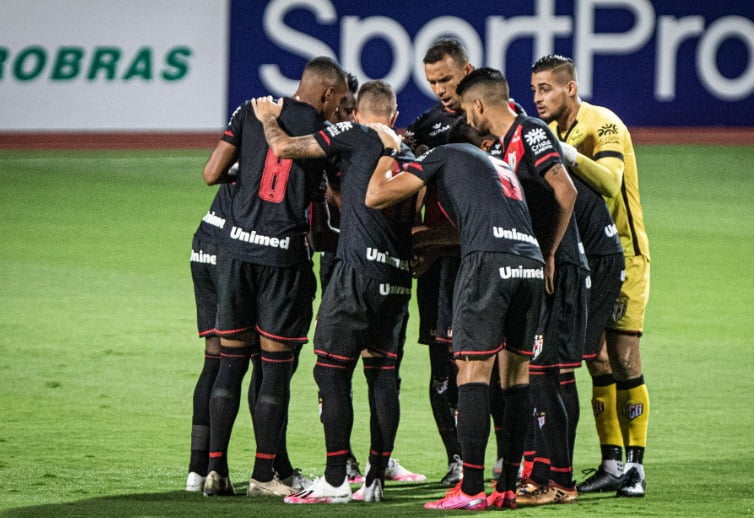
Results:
654 62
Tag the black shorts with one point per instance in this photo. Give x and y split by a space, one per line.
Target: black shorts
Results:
560 341
275 301
326 264
204 276
607 277
448 272
358 313
427 287
498 298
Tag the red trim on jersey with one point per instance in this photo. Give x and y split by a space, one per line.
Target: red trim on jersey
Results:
445 213
542 460
228 133
324 135
560 470
546 157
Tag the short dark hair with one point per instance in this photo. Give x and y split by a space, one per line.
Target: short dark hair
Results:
494 82
560 65
325 67
353 83
376 97
446 47
461 131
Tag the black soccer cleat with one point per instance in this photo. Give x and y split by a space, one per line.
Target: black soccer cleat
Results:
634 485
600 481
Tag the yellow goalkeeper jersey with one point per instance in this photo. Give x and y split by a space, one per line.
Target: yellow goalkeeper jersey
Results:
598 132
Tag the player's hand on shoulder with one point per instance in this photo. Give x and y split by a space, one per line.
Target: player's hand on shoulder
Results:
266 107
389 138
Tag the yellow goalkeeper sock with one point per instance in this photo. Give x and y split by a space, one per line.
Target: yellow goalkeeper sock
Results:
604 405
633 411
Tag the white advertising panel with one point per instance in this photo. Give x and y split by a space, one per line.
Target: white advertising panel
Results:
136 65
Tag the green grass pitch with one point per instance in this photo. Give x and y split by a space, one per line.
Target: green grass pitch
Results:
99 351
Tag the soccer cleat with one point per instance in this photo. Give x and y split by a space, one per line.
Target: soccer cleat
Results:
352 471
599 481
195 482
504 500
395 471
321 492
274 487
457 499
497 469
455 472
371 493
215 485
297 481
550 494
526 487
634 485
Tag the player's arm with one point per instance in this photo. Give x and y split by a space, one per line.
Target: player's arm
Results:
282 144
605 174
217 168
565 197
385 190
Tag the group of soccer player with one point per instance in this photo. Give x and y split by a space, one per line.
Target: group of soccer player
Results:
527 239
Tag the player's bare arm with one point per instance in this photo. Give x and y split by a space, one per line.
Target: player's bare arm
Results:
385 189
565 196
220 161
282 144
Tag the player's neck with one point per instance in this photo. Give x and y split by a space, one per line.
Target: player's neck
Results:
567 120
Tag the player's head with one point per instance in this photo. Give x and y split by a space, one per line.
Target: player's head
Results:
462 131
323 85
481 91
376 102
554 86
445 64
345 110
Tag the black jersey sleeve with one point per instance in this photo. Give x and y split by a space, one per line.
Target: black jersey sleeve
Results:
542 145
232 134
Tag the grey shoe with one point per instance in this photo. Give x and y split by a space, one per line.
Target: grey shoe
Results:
455 472
297 481
215 485
273 487
599 481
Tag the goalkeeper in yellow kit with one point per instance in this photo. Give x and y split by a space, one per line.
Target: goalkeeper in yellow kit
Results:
597 147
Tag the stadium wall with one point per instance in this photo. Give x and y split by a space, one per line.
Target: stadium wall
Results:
168 73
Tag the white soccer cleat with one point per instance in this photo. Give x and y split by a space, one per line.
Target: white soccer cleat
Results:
195 482
395 471
321 492
371 493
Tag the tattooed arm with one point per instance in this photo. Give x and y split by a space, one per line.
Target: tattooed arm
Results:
282 144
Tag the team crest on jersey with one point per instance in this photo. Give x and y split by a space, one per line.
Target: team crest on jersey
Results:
541 420
619 309
607 129
598 407
512 160
632 411
539 341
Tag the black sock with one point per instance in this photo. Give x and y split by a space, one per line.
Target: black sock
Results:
442 389
255 383
552 459
384 413
334 382
271 410
200 418
570 394
497 410
515 428
473 433
224 403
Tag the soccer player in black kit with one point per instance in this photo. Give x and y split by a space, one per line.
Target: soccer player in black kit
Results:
497 295
266 284
532 151
365 305
445 64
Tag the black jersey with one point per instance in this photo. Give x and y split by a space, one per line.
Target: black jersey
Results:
431 127
598 231
377 243
531 149
212 225
267 223
482 196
